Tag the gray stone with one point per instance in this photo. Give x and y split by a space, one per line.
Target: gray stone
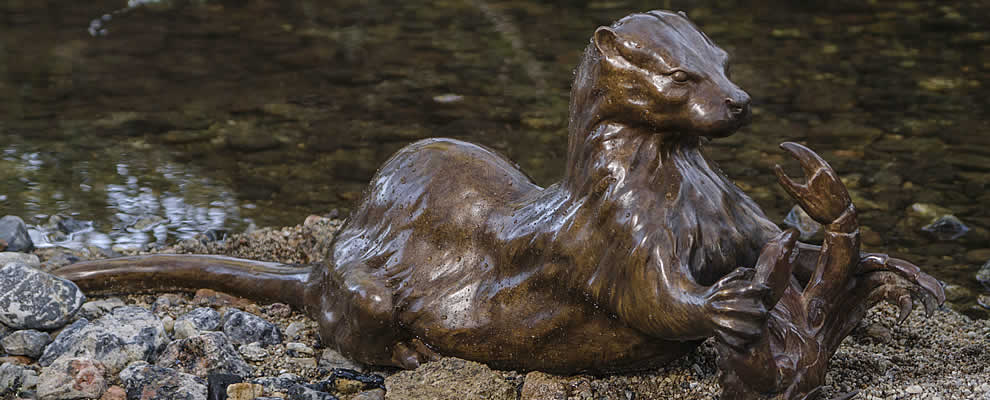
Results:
331 359
32 299
292 386
30 260
803 222
125 335
12 379
203 318
253 351
97 308
296 349
184 329
72 378
28 342
242 328
14 233
200 355
145 381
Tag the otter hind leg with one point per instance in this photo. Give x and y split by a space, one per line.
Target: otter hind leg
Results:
357 316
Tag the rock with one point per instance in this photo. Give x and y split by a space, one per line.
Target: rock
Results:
125 335
12 379
210 352
244 391
374 394
31 299
280 310
301 363
30 260
959 294
348 381
291 386
168 323
253 351
296 349
14 232
984 301
216 385
203 318
4 331
184 329
68 225
295 330
461 379
331 359
145 381
28 342
914 389
72 378
244 327
947 227
114 393
803 222
97 308
878 332
539 385
983 275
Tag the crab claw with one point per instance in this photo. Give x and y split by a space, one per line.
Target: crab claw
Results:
823 197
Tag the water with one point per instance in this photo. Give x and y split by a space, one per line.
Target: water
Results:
157 120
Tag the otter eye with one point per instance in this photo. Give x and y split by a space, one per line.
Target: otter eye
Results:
679 76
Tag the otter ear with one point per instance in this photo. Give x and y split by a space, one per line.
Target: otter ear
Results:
607 42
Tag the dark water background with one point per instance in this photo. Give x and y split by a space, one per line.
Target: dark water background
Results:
168 118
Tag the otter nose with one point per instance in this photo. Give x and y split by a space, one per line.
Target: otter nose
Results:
738 105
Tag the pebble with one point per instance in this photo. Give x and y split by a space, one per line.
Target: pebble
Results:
32 299
146 381
331 359
72 378
30 260
168 323
290 384
296 349
301 363
184 329
803 222
244 391
27 342
13 232
244 328
210 352
94 309
203 318
295 330
946 227
253 351
125 335
374 394
914 389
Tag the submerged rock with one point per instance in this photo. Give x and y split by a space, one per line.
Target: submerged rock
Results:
146 381
13 232
125 335
32 299
983 275
27 342
243 328
947 227
200 355
72 378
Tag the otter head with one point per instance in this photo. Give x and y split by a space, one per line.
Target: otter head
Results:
657 69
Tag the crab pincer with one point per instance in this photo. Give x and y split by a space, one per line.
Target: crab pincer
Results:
824 196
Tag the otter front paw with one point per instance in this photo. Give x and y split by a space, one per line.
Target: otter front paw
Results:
736 308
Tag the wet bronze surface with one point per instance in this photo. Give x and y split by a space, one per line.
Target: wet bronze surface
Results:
644 248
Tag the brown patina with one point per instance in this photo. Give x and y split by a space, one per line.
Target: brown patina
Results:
643 250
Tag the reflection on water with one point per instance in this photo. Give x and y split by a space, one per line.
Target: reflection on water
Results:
211 113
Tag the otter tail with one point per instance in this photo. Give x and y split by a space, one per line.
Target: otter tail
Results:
256 280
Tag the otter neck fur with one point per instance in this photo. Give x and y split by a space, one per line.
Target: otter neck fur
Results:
690 217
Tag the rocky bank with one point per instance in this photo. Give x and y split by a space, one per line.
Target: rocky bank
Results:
201 345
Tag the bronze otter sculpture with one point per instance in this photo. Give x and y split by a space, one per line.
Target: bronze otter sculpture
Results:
643 250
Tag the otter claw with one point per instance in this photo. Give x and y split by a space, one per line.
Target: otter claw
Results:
906 306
